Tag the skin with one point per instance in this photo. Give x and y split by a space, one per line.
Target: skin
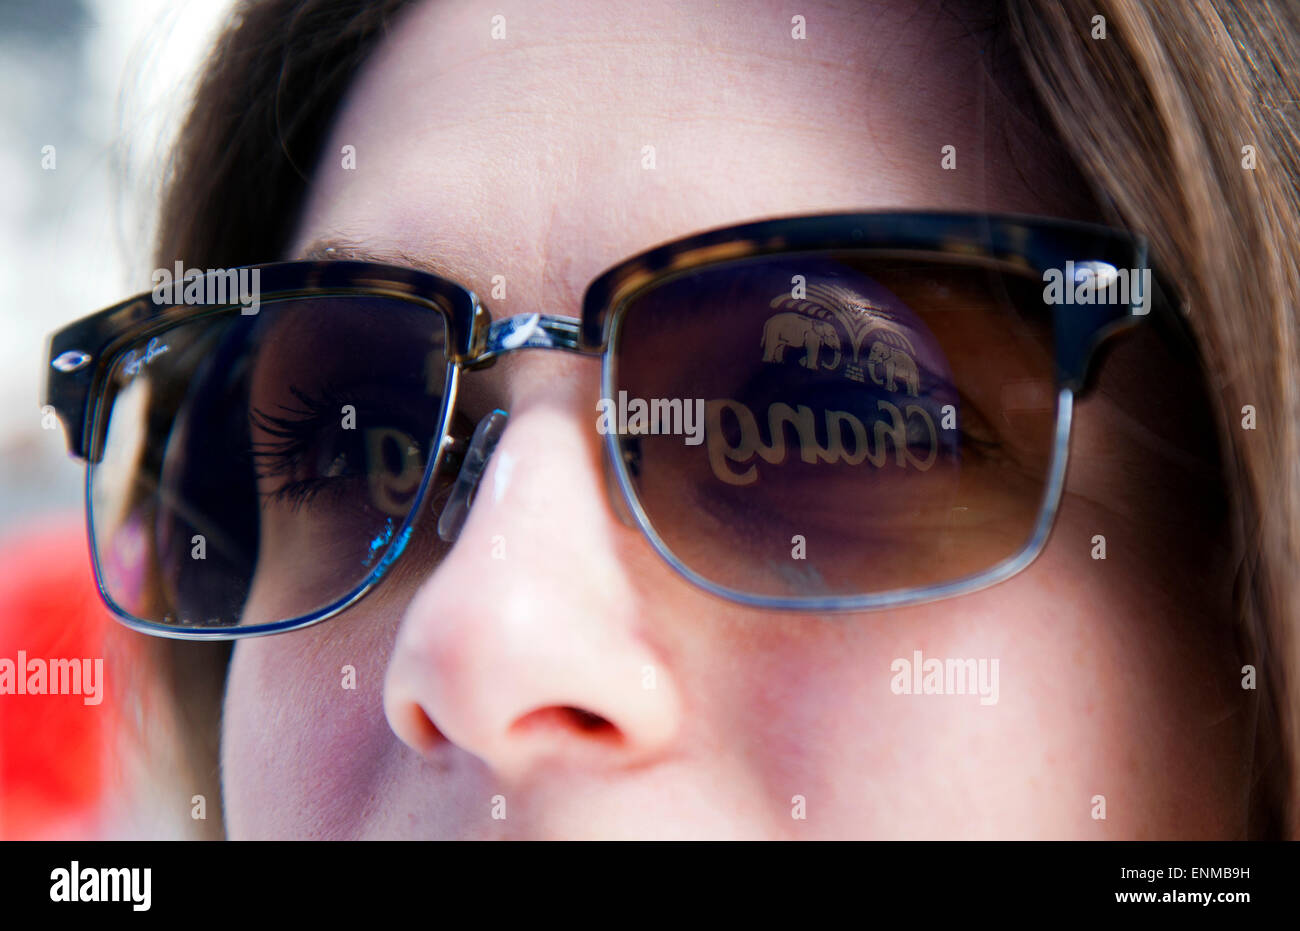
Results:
522 157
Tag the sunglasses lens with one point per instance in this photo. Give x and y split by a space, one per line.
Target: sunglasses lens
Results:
261 468
837 424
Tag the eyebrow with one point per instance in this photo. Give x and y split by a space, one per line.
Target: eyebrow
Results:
336 249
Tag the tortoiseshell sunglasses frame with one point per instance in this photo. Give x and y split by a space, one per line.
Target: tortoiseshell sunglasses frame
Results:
81 355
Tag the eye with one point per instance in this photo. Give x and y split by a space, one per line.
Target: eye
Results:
338 454
976 433
314 449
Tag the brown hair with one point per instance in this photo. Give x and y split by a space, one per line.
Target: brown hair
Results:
1156 115
1159 114
235 184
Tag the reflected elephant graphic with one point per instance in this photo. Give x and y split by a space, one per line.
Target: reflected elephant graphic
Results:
898 366
791 329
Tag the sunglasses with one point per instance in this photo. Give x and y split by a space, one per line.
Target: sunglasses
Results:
826 413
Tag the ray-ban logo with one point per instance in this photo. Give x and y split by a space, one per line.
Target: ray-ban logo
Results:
215 286
134 361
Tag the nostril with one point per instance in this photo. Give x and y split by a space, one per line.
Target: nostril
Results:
420 731
567 718
586 720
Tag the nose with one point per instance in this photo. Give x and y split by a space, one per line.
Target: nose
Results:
526 645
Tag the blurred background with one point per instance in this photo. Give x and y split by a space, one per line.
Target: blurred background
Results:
91 95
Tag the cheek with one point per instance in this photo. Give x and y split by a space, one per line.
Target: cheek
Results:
829 721
304 739
1114 683
1098 692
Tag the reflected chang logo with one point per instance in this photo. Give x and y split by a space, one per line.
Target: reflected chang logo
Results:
832 327
806 323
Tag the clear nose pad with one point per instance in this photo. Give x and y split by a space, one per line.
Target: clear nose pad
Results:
481 444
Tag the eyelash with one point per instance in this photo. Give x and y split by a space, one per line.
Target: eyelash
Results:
294 436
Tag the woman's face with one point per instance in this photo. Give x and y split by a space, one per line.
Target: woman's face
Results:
550 676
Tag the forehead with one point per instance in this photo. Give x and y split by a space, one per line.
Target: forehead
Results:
551 143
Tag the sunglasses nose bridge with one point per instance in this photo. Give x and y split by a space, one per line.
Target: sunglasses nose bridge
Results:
529 331
524 331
